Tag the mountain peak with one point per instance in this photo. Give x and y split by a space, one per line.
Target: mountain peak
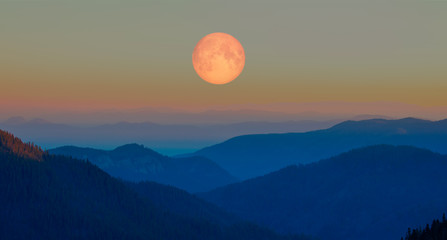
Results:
134 162
130 146
135 150
387 126
269 152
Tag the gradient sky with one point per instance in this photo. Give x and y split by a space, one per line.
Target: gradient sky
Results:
130 54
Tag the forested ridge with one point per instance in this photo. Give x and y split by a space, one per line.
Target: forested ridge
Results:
270 152
375 192
9 143
53 197
135 163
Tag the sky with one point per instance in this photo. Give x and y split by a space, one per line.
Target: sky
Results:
94 55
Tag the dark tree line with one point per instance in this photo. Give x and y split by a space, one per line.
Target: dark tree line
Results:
437 231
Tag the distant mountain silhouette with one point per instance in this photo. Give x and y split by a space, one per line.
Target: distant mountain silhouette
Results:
375 192
255 155
56 197
136 163
171 138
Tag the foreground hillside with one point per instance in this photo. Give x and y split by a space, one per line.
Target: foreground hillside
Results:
255 155
52 197
370 193
136 163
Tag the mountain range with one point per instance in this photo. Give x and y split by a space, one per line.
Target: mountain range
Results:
54 197
169 139
227 114
133 162
375 192
249 156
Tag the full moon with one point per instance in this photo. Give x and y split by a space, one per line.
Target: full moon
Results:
218 58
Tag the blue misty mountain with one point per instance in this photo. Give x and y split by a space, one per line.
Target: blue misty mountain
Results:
171 138
255 155
375 192
54 197
136 163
